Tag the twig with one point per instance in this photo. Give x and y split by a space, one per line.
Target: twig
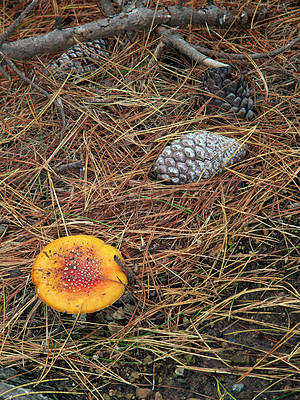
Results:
272 53
5 35
56 101
3 72
157 53
4 58
176 40
130 275
283 71
67 167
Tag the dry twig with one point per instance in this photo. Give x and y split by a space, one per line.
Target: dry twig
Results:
5 59
254 56
5 35
30 82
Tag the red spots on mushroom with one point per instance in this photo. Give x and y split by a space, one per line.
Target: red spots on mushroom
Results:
78 274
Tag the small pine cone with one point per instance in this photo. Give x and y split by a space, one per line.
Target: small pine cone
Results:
196 156
82 58
226 94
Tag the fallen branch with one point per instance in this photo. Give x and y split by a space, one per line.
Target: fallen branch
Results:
139 19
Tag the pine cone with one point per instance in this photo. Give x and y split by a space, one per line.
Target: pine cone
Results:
196 156
82 58
226 94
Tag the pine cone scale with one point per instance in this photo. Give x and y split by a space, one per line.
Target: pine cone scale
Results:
219 84
81 58
197 155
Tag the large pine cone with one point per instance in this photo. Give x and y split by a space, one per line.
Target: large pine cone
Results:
197 155
226 94
81 58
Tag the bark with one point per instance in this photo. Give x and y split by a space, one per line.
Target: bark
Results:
138 19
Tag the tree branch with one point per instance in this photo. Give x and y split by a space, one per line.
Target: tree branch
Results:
138 19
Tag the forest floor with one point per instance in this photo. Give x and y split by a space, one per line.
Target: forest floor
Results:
214 312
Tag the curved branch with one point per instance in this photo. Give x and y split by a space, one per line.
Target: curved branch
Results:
254 56
139 19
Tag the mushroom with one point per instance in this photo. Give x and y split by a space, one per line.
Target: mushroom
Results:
79 274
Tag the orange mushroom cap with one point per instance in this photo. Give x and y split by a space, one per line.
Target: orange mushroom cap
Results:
78 274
